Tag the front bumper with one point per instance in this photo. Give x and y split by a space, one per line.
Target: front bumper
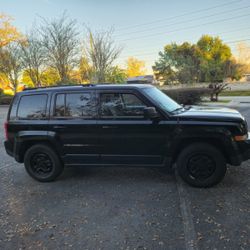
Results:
246 152
241 152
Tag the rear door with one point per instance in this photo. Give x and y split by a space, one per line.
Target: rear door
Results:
126 136
74 122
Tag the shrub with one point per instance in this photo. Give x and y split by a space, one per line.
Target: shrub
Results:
1 91
5 99
187 96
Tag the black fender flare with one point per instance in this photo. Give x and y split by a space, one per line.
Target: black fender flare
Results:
24 139
223 141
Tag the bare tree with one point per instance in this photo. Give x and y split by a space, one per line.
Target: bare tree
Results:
10 64
33 57
216 89
101 52
60 41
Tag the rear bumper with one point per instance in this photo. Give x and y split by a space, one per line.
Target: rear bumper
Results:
8 148
11 152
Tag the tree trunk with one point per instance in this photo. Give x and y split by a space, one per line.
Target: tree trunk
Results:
216 97
212 97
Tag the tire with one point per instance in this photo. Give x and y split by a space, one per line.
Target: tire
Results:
42 163
201 165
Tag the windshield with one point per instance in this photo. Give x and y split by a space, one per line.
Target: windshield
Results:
162 100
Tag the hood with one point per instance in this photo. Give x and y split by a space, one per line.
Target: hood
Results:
210 114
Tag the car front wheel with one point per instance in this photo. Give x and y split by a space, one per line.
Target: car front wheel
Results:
42 163
201 165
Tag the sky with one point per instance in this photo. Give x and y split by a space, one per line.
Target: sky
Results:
143 27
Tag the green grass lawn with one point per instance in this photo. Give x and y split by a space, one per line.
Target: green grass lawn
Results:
235 93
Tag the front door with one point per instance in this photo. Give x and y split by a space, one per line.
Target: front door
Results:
74 122
126 136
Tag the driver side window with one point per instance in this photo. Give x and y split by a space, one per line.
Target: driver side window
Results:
121 106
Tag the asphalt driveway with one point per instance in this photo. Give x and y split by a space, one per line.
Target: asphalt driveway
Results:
120 208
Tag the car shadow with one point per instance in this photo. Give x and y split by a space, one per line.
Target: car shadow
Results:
116 174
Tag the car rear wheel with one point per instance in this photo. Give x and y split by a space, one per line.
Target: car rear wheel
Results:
201 165
42 163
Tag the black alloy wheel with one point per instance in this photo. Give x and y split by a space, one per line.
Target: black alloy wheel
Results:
201 165
42 163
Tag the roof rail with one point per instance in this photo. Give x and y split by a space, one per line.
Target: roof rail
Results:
66 85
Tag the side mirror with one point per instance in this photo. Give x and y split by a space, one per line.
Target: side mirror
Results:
151 113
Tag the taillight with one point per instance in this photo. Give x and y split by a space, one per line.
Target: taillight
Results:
6 130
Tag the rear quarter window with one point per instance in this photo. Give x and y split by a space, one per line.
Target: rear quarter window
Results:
32 107
13 108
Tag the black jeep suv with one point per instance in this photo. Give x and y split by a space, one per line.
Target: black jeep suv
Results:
122 125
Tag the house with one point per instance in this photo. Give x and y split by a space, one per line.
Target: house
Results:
142 79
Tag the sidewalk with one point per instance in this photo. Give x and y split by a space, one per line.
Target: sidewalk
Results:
236 101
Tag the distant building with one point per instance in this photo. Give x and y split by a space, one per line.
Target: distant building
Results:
246 77
142 79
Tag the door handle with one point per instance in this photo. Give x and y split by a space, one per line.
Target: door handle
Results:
59 127
109 126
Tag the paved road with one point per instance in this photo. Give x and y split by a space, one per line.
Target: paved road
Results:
119 208
243 101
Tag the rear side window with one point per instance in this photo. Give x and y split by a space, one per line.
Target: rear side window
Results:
32 107
75 105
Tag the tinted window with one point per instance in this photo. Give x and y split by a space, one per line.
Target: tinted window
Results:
131 100
162 100
117 105
13 108
60 105
32 107
75 105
